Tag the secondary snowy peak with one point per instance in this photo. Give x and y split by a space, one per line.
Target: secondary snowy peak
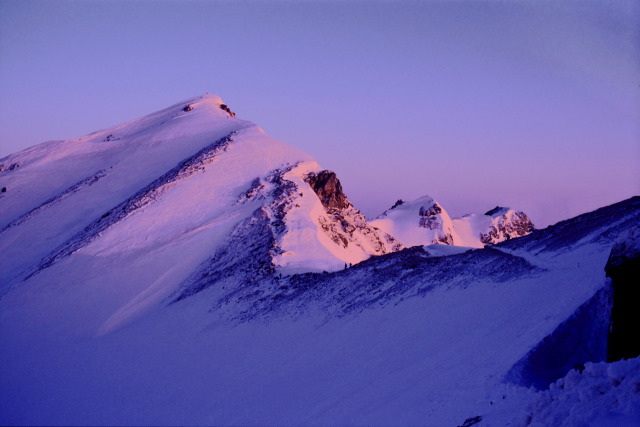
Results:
425 222
507 224
419 222
497 225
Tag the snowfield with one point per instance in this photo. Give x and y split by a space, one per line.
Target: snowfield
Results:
182 269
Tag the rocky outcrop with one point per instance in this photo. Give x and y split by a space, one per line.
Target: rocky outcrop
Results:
623 267
431 218
9 167
506 224
224 107
398 202
328 188
342 223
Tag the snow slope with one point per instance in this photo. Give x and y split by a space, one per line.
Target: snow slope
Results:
405 338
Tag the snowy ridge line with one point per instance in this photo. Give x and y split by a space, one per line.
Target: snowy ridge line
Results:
255 238
378 281
599 226
57 199
149 194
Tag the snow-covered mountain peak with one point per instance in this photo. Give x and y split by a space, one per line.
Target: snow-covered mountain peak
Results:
419 222
496 225
168 180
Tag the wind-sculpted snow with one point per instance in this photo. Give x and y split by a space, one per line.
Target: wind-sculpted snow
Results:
253 238
57 198
579 339
601 394
142 198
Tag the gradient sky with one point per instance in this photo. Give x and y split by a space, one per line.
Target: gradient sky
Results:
533 105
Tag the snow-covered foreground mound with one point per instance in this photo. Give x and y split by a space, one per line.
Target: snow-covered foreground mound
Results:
166 289
602 394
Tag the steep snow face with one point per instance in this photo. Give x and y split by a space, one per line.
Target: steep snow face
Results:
419 222
497 225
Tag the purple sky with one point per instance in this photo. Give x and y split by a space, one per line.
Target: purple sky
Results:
533 105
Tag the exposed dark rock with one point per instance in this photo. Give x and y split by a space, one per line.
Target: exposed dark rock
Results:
430 219
471 421
227 109
344 220
397 203
10 167
430 222
623 267
255 191
494 210
188 108
434 209
328 188
4 189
